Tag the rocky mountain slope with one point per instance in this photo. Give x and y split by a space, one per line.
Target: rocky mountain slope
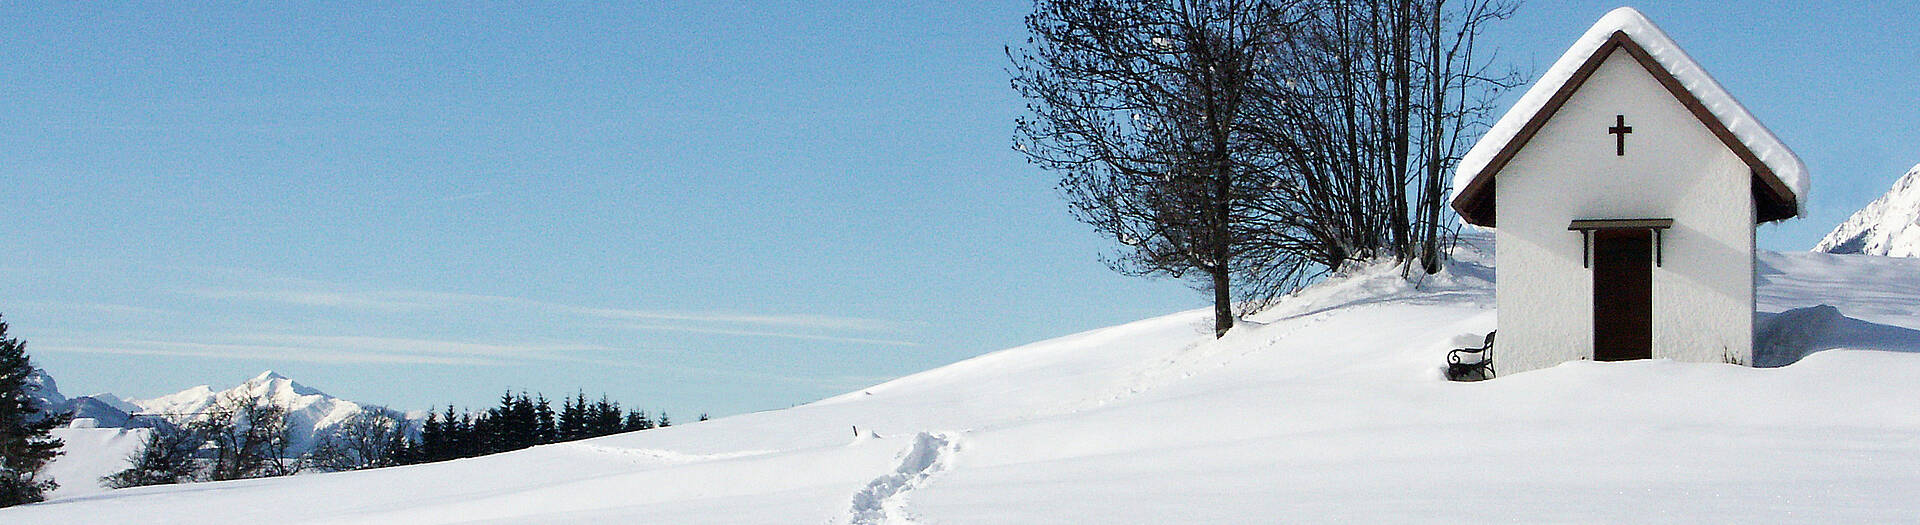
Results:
1888 226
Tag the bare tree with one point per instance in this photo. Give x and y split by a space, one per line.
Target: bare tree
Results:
1374 103
165 459
1257 144
268 426
1141 105
249 437
364 440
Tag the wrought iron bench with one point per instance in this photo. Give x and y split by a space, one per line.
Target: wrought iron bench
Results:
1471 364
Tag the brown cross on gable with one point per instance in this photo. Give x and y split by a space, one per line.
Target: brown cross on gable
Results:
1620 130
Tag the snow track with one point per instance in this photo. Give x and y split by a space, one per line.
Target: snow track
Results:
883 501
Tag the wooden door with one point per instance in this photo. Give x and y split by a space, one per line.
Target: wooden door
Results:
1622 295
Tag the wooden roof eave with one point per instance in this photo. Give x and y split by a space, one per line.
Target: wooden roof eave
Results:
1772 199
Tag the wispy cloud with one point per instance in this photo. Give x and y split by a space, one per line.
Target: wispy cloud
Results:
411 351
256 352
336 349
92 308
386 301
763 333
816 327
417 345
790 320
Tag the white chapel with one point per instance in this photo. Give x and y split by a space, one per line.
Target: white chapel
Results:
1623 189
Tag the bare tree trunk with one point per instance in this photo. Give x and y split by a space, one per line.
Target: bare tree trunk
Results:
1222 303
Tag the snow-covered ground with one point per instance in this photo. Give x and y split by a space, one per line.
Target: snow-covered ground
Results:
1330 407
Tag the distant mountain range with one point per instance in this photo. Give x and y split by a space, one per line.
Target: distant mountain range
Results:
312 414
1888 226
98 410
107 429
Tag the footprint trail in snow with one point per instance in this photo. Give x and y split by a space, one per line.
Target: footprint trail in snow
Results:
883 501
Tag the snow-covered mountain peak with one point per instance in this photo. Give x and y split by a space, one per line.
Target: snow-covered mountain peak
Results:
1888 226
277 387
185 401
312 413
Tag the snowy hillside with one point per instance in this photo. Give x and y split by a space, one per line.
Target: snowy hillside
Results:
92 453
1330 408
1888 226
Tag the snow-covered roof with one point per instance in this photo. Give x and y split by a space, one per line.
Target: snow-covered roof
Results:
1771 159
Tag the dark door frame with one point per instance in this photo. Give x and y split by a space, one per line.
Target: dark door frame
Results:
1622 295
1622 254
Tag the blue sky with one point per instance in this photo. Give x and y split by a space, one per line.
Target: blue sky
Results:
718 207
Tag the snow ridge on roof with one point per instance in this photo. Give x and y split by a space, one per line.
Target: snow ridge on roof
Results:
1748 130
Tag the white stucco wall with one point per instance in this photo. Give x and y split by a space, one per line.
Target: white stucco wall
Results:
1674 168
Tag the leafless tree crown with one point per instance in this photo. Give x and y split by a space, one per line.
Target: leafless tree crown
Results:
1253 145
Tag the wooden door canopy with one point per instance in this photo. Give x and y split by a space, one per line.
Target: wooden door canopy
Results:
1620 224
1586 227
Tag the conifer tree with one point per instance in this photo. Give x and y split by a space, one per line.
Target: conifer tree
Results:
589 420
573 417
504 429
525 433
605 417
637 420
456 439
433 439
480 427
543 426
564 421
501 419
26 443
